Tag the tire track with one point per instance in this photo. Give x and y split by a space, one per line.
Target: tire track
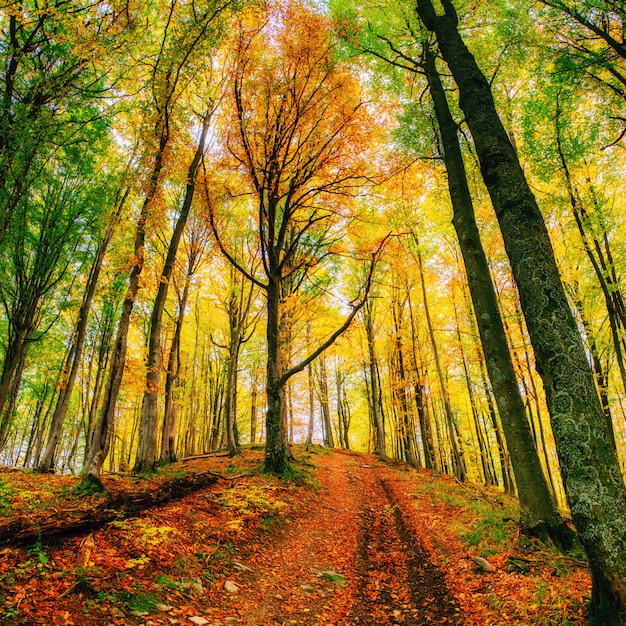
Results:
400 585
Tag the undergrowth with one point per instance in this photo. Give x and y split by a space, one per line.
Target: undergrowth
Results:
533 582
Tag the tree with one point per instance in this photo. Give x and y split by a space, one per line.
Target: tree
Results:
147 456
181 36
70 367
591 472
297 121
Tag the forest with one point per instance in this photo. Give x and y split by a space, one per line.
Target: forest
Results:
385 227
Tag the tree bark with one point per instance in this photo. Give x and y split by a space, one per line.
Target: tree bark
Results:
74 359
460 471
146 458
591 472
98 445
378 423
538 513
170 420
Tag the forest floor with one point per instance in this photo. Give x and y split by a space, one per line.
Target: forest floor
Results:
348 540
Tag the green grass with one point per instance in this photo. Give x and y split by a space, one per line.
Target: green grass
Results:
5 502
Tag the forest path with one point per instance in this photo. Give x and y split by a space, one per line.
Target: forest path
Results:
349 558
373 544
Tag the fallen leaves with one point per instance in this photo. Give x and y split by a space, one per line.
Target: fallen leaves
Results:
346 551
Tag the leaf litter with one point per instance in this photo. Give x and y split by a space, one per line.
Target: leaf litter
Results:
356 542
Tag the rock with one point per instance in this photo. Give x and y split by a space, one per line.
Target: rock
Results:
164 607
196 586
278 597
198 620
139 613
230 586
307 588
483 564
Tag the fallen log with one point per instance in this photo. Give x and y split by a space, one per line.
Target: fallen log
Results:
75 514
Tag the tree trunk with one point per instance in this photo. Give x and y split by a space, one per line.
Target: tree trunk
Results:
591 472
168 439
538 513
460 470
322 382
311 390
253 411
98 445
275 445
146 458
405 416
76 351
378 424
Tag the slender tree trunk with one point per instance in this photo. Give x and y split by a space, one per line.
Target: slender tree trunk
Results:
76 351
311 390
230 405
460 470
405 416
146 458
253 412
591 471
378 424
604 271
168 440
419 395
322 382
538 513
99 443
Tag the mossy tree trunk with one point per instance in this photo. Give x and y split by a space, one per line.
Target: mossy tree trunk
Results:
591 472
538 513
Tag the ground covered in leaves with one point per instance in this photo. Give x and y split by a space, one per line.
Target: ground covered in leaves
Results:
345 540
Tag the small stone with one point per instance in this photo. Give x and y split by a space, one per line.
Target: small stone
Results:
307 588
278 597
139 613
198 620
196 587
164 607
230 586
483 564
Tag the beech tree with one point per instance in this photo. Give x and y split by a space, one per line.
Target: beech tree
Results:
592 475
181 38
297 120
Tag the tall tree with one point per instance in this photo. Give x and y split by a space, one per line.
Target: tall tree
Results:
591 472
147 455
180 38
297 121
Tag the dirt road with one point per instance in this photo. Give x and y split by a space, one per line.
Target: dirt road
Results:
348 558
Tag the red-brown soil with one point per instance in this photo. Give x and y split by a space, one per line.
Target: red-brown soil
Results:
362 547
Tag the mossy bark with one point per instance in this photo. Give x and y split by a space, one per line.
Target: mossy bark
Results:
538 513
591 472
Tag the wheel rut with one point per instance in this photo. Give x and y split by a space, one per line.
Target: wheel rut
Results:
353 530
400 585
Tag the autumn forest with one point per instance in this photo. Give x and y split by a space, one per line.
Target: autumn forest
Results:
393 228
